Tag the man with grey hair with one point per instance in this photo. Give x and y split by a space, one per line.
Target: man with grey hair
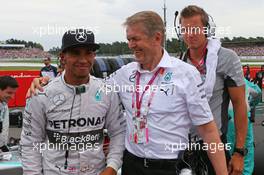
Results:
159 119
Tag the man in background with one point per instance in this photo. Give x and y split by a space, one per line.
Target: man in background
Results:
8 87
48 69
222 75
253 97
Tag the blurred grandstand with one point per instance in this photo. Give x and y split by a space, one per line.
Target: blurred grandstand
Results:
247 50
8 51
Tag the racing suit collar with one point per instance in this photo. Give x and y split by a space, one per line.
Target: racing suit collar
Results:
73 88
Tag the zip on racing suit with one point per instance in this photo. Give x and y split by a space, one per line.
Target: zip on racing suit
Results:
63 129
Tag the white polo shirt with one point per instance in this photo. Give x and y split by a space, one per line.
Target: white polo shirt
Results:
179 103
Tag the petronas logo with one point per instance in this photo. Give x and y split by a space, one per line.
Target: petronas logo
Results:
167 77
98 96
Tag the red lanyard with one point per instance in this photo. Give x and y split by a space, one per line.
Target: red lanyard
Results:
199 65
139 98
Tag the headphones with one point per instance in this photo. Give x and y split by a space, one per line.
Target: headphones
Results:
210 27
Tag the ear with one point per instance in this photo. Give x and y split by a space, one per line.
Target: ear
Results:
158 37
62 58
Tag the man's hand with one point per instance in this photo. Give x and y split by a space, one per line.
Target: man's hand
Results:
236 164
37 83
108 171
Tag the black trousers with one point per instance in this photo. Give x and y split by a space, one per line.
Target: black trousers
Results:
133 165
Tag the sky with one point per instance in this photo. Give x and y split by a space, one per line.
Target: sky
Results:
45 21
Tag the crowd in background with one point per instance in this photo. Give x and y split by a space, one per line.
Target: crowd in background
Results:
38 53
249 51
23 53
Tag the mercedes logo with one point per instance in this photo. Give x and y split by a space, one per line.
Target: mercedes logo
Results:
58 99
81 37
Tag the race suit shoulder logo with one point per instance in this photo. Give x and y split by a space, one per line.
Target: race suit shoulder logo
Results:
58 99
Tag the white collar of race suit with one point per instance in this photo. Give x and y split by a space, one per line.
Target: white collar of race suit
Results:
213 47
74 89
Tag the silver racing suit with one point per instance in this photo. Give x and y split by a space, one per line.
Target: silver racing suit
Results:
4 123
63 129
